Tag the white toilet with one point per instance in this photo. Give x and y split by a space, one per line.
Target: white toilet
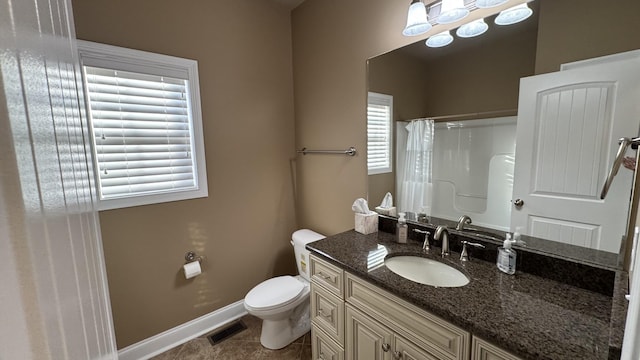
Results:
283 302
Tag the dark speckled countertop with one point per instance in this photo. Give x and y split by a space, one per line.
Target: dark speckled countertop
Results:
533 317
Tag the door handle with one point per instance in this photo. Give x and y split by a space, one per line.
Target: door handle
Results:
518 203
624 144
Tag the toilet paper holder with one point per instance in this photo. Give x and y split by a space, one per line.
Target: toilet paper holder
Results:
191 256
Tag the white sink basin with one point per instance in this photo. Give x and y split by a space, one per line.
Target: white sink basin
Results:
426 271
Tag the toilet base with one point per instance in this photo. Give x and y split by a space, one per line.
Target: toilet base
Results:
277 334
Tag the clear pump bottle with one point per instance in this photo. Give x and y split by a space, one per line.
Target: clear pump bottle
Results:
402 229
506 261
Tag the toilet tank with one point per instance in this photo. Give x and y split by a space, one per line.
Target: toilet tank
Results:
299 239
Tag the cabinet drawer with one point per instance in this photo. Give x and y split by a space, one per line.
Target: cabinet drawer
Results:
327 312
322 347
482 350
437 336
327 275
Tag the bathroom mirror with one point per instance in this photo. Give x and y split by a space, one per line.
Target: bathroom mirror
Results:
471 89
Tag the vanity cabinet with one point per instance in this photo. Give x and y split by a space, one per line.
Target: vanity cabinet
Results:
327 310
323 347
353 319
367 339
482 350
411 327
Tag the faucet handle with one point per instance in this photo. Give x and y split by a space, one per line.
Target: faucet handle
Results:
464 255
425 245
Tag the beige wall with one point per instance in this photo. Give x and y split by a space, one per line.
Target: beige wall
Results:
600 28
243 49
332 40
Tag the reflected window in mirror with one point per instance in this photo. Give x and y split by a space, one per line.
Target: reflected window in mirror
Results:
379 134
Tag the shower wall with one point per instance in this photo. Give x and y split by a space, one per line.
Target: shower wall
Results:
473 163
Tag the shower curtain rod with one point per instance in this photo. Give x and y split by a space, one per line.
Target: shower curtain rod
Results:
469 116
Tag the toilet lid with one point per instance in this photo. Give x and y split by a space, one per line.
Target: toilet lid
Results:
274 293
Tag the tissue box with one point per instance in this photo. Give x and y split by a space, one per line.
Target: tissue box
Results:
386 211
366 223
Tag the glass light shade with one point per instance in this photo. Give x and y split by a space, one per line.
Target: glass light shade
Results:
417 22
474 28
483 4
452 11
513 15
439 40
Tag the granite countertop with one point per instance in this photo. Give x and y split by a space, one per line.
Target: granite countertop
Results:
531 316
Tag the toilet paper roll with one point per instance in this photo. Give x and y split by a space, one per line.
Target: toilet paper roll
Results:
192 269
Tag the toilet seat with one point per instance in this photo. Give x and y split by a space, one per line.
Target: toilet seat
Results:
274 293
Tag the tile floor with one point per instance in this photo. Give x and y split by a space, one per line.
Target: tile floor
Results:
244 345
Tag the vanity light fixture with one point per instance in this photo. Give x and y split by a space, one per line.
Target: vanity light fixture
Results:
484 4
474 28
417 22
439 40
513 15
452 11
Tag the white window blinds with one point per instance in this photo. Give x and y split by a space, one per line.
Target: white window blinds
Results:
145 119
141 131
379 133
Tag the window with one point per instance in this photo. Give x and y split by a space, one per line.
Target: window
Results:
146 126
379 134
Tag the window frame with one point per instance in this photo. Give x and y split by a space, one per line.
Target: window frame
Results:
124 59
387 100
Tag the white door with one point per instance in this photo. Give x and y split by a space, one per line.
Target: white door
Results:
568 126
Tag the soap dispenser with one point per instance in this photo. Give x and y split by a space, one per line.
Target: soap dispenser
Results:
401 229
506 261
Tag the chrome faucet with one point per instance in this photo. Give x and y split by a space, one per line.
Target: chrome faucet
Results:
464 219
442 233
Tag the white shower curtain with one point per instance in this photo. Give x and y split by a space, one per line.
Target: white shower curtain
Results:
414 177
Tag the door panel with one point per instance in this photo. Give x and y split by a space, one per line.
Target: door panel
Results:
568 126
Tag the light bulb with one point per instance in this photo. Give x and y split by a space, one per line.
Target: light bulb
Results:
417 22
439 40
483 4
452 11
474 28
513 15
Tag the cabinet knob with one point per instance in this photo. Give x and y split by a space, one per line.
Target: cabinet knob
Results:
386 347
397 355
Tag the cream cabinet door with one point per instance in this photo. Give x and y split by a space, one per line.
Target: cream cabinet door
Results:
405 350
365 338
482 350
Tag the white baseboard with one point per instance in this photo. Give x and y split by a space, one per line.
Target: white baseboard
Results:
180 334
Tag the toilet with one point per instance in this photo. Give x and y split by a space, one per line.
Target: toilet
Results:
282 302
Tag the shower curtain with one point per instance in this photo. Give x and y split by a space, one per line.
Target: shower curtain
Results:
414 175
